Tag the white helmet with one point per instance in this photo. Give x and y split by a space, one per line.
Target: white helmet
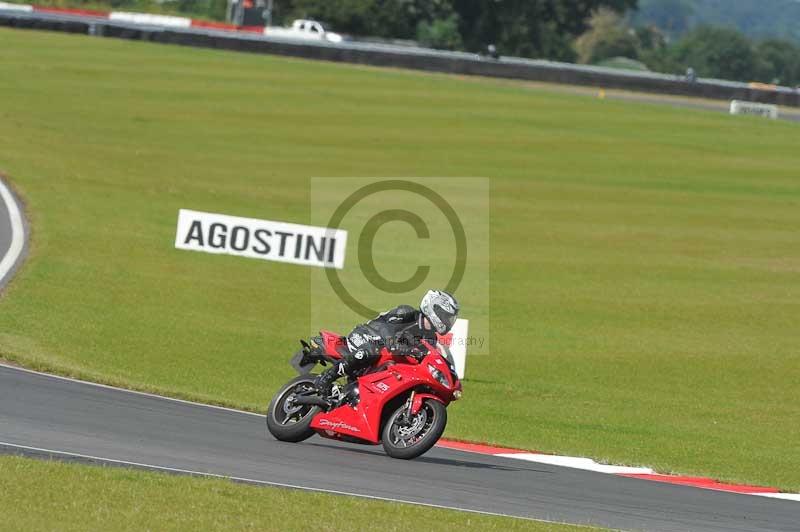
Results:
441 309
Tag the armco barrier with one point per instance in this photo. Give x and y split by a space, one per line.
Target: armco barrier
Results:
221 37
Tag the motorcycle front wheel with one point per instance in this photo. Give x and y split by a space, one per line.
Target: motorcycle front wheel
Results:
287 421
406 438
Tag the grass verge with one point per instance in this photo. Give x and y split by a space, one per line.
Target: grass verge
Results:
81 497
645 260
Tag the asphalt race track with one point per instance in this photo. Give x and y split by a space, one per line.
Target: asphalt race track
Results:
47 416
42 415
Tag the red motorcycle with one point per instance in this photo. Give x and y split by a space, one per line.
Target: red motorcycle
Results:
400 401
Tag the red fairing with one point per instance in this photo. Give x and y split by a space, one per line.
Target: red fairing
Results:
444 339
401 375
416 404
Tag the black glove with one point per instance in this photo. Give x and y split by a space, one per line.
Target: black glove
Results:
405 344
401 342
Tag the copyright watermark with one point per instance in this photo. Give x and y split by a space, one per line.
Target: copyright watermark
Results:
405 236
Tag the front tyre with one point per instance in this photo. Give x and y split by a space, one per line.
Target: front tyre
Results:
406 438
286 420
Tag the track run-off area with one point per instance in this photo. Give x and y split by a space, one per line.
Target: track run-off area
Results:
55 417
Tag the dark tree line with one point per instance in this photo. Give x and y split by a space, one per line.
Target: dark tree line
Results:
713 52
742 40
532 28
728 54
589 31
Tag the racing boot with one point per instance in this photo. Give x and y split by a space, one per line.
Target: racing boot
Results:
324 382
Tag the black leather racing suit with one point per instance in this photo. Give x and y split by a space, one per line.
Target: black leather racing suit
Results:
400 329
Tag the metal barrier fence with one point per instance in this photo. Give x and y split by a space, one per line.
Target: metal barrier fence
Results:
406 57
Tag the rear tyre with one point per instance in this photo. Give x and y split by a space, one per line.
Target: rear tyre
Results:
410 438
287 421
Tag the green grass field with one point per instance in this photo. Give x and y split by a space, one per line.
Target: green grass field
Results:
80 498
645 271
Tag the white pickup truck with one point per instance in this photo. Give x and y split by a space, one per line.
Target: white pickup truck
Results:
308 30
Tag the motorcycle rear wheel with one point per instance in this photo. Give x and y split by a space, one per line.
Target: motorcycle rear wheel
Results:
413 438
291 423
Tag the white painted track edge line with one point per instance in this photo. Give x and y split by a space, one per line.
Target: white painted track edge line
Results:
576 462
17 231
782 496
263 482
126 390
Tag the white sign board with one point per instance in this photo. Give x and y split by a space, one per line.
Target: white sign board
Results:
455 342
261 239
150 20
739 107
5 6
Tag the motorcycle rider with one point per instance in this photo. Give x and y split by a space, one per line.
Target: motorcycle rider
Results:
401 330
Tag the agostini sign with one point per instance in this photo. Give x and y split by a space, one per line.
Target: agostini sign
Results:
261 239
